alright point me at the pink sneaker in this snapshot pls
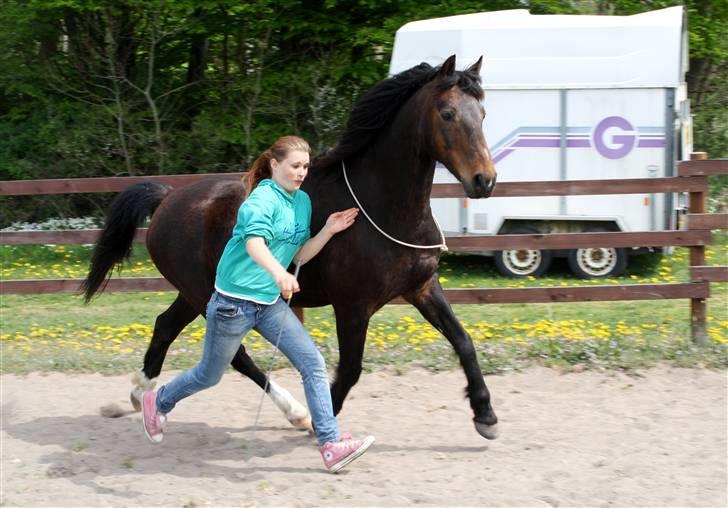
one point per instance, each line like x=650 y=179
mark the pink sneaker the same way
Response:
x=152 y=419
x=340 y=454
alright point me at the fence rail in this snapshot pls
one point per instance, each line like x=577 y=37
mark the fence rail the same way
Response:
x=440 y=190
x=692 y=177
x=699 y=165
x=93 y=185
x=461 y=243
x=709 y=273
x=474 y=295
x=58 y=236
x=707 y=221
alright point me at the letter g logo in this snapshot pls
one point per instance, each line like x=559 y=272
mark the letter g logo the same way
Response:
x=611 y=144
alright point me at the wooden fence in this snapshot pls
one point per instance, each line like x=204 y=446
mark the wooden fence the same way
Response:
x=692 y=177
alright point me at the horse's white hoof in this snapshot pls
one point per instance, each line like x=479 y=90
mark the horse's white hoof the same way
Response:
x=135 y=397
x=296 y=414
x=487 y=431
x=141 y=384
x=303 y=423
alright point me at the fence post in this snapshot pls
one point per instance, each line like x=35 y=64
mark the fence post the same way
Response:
x=698 y=306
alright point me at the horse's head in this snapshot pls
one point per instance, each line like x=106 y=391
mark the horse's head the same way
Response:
x=456 y=121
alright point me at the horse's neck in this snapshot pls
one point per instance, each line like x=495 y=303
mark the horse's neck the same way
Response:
x=394 y=180
x=394 y=175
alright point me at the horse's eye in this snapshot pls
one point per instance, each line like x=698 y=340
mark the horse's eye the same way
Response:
x=447 y=115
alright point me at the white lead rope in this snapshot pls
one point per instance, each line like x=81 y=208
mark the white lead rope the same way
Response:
x=273 y=357
x=442 y=246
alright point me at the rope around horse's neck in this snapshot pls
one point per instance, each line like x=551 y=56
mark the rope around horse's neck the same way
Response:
x=442 y=246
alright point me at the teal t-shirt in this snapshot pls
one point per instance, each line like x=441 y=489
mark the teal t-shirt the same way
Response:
x=284 y=221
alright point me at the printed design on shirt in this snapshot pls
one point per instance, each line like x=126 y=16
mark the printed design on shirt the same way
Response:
x=293 y=236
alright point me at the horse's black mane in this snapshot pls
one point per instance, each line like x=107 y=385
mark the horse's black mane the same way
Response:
x=378 y=106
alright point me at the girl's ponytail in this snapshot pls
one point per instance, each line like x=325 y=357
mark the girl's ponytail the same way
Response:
x=260 y=169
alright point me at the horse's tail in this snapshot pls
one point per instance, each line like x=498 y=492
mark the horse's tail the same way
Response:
x=127 y=212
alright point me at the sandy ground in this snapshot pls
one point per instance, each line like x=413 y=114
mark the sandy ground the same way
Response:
x=577 y=439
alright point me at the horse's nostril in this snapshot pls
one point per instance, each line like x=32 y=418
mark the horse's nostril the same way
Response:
x=491 y=184
x=479 y=180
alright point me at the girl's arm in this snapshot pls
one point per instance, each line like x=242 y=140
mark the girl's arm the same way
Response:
x=336 y=223
x=258 y=250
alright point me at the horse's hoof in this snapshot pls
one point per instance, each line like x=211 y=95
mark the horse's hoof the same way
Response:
x=296 y=414
x=303 y=423
x=487 y=431
x=141 y=383
x=135 y=399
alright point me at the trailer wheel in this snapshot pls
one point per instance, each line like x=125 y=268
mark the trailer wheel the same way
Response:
x=594 y=263
x=523 y=262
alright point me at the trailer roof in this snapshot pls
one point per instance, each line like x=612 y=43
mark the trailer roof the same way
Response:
x=523 y=50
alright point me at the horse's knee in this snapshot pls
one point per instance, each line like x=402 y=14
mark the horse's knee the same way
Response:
x=346 y=378
x=349 y=374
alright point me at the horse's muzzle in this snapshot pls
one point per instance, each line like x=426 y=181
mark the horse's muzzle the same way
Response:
x=481 y=187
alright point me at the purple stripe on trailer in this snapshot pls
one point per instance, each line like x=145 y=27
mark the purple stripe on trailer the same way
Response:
x=578 y=143
x=537 y=143
x=651 y=143
x=627 y=140
x=502 y=154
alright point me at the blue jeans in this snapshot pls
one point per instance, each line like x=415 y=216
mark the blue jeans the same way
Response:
x=228 y=320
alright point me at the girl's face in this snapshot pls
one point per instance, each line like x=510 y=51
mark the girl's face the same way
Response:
x=290 y=172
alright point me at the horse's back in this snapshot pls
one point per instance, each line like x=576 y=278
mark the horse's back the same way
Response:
x=188 y=233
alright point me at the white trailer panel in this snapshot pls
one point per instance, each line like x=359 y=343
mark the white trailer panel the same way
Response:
x=568 y=98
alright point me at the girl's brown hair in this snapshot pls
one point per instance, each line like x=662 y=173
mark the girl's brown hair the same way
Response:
x=260 y=169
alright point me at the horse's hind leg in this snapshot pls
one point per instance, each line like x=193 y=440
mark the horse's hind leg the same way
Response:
x=296 y=413
x=431 y=302
x=168 y=326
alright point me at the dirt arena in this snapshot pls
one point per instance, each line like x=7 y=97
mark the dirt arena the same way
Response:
x=576 y=439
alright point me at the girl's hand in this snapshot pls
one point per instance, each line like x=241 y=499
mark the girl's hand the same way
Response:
x=339 y=221
x=287 y=284
x=336 y=223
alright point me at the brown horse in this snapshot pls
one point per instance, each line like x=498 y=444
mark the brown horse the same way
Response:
x=395 y=135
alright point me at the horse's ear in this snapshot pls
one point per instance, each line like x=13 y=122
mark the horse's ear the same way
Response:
x=475 y=68
x=448 y=67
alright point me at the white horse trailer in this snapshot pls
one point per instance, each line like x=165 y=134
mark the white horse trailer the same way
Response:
x=568 y=97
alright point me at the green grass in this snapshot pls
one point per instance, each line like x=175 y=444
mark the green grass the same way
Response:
x=63 y=262
x=58 y=332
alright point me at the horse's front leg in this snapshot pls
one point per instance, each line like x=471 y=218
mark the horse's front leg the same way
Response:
x=351 y=328
x=431 y=302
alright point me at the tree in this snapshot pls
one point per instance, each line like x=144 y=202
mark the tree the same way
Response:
x=117 y=87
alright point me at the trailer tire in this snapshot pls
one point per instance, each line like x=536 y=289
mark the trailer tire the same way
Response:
x=523 y=262
x=595 y=263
